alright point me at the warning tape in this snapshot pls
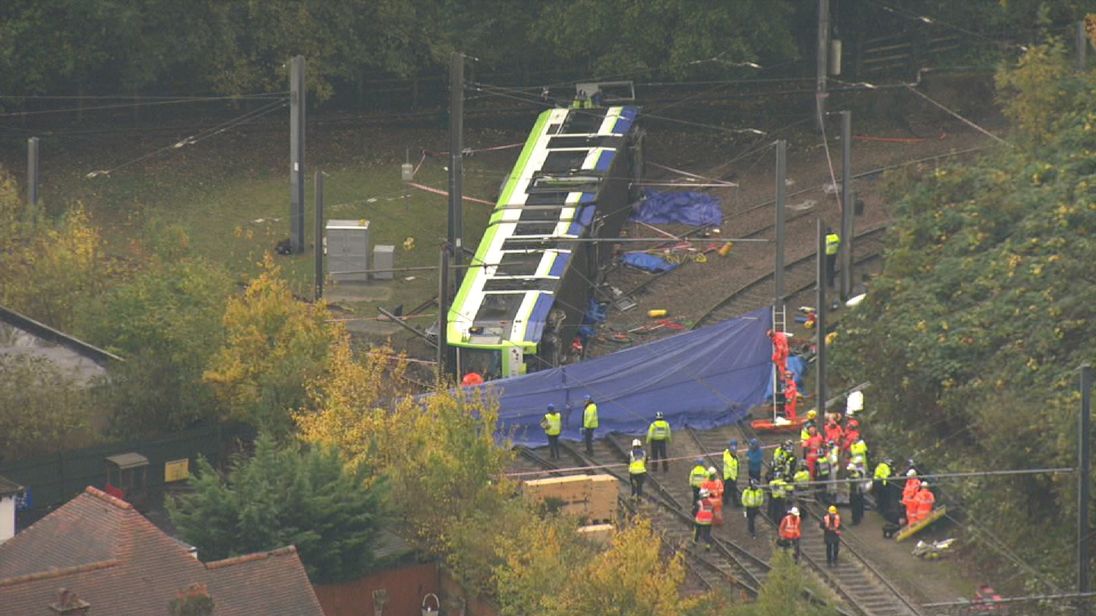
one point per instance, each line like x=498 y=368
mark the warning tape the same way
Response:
x=898 y=139
x=621 y=464
x=438 y=191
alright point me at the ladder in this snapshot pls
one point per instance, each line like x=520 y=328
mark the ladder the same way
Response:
x=779 y=324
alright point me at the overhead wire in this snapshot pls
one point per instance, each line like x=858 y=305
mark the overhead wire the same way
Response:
x=177 y=101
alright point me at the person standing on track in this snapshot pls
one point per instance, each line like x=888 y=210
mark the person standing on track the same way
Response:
x=856 y=474
x=589 y=423
x=658 y=438
x=755 y=457
x=789 y=532
x=752 y=499
x=730 y=474
x=553 y=426
x=637 y=468
x=697 y=477
x=702 y=516
x=831 y=529
x=778 y=498
x=833 y=246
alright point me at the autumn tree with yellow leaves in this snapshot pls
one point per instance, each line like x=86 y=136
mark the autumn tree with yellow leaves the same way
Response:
x=274 y=345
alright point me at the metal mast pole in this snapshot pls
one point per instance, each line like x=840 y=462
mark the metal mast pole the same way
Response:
x=32 y=171
x=296 y=153
x=822 y=61
x=456 y=161
x=318 y=253
x=1084 y=463
x=781 y=196
x=820 y=319
x=846 y=204
x=443 y=311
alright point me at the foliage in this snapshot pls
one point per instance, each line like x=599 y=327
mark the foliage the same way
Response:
x=981 y=317
x=274 y=345
x=1035 y=93
x=285 y=495
x=48 y=268
x=666 y=37
x=42 y=409
x=167 y=322
x=783 y=591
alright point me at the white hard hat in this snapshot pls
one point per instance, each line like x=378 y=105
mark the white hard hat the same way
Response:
x=858 y=459
x=704 y=492
x=794 y=511
x=711 y=470
x=636 y=443
x=924 y=484
x=911 y=473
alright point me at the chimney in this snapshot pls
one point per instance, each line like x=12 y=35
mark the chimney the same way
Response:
x=69 y=604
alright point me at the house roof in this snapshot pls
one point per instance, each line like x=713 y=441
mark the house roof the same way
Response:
x=106 y=552
x=21 y=335
x=9 y=487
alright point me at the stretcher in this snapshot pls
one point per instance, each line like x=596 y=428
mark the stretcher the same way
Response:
x=768 y=425
x=913 y=529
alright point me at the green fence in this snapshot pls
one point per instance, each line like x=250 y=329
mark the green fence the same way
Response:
x=54 y=479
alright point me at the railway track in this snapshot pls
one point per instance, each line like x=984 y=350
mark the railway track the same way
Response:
x=799 y=276
x=867 y=591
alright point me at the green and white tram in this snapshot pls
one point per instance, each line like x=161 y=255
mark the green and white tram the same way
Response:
x=526 y=290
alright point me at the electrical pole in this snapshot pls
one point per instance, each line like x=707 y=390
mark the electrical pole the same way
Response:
x=1082 y=46
x=32 y=171
x=318 y=254
x=456 y=161
x=820 y=319
x=296 y=153
x=1084 y=463
x=822 y=61
x=781 y=196
x=443 y=310
x=846 y=204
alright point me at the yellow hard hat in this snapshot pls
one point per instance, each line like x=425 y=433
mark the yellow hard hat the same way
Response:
x=811 y=414
x=832 y=509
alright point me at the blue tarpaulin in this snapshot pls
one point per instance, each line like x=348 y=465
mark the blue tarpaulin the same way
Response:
x=704 y=378
x=647 y=262
x=689 y=208
x=797 y=366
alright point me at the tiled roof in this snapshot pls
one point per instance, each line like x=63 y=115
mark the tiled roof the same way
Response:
x=112 y=557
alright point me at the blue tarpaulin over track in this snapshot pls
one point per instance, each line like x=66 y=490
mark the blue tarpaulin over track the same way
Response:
x=703 y=378
x=688 y=208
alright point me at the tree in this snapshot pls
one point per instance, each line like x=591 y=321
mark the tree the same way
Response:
x=286 y=495
x=783 y=592
x=274 y=345
x=42 y=409
x=167 y=322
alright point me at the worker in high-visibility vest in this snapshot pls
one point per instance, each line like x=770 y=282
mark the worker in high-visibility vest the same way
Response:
x=800 y=480
x=909 y=494
x=791 y=396
x=881 y=487
x=702 y=518
x=831 y=532
x=730 y=473
x=789 y=532
x=658 y=437
x=778 y=498
x=753 y=497
x=714 y=486
x=697 y=477
x=553 y=426
x=637 y=468
x=923 y=502
x=833 y=246
x=589 y=423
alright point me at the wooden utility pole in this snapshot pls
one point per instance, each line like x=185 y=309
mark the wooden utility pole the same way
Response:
x=456 y=162
x=846 y=204
x=820 y=320
x=781 y=197
x=296 y=153
x=32 y=171
x=822 y=62
x=318 y=253
x=1084 y=463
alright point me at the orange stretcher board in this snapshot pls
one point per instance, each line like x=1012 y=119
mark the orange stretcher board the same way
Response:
x=909 y=531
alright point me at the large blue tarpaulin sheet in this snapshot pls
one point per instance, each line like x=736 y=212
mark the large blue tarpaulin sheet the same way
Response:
x=688 y=208
x=704 y=378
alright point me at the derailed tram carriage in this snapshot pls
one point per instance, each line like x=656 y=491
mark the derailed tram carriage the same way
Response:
x=526 y=290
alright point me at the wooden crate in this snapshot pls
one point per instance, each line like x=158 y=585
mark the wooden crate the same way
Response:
x=598 y=533
x=567 y=489
x=604 y=499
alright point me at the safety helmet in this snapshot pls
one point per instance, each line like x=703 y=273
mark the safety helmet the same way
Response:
x=711 y=470
x=700 y=461
x=858 y=459
x=888 y=461
x=551 y=407
x=830 y=443
x=852 y=466
x=853 y=423
x=924 y=485
x=832 y=509
x=636 y=443
x=753 y=442
x=794 y=511
x=788 y=444
x=704 y=493
x=911 y=473
x=587 y=397
x=753 y=483
x=732 y=444
x=659 y=415
x=811 y=414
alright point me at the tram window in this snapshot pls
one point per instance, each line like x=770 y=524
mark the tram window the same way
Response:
x=535 y=228
x=540 y=213
x=519 y=264
x=497 y=306
x=583 y=121
x=564 y=160
x=520 y=284
x=585 y=141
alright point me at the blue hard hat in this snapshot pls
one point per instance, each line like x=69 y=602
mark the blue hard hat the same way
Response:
x=753 y=442
x=733 y=444
x=587 y=397
x=700 y=461
x=551 y=407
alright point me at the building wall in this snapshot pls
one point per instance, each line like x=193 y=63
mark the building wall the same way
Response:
x=7 y=518
x=406 y=586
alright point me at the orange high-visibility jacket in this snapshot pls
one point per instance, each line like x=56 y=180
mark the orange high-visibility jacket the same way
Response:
x=789 y=527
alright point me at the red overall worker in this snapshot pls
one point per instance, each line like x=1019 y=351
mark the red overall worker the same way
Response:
x=922 y=503
x=811 y=448
x=790 y=533
x=909 y=495
x=852 y=433
x=780 y=350
x=791 y=395
x=833 y=431
x=471 y=379
x=714 y=486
